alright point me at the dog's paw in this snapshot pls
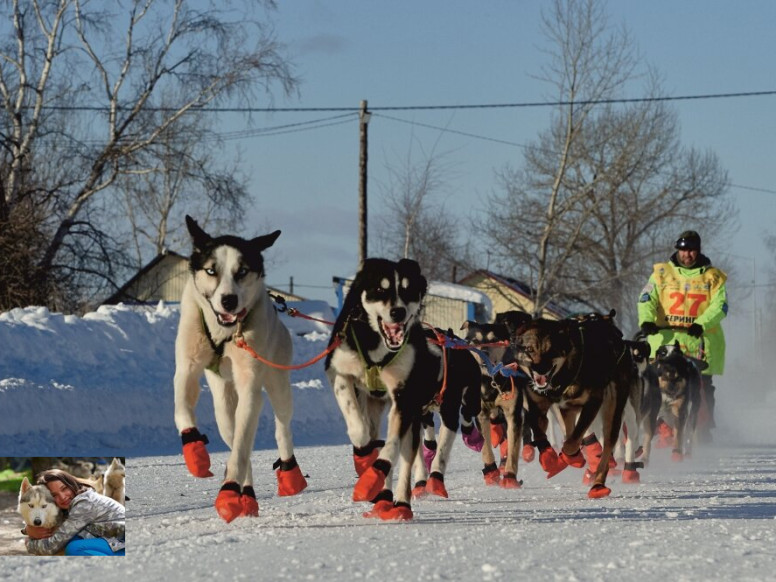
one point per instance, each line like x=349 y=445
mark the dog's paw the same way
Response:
x=289 y=476
x=372 y=481
x=576 y=460
x=378 y=509
x=676 y=456
x=491 y=474
x=510 y=481
x=399 y=512
x=551 y=462
x=250 y=507
x=228 y=504
x=363 y=457
x=195 y=453
x=631 y=476
x=436 y=485
x=528 y=453
x=419 y=491
x=598 y=491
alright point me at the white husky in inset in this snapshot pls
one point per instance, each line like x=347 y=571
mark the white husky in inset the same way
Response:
x=225 y=298
x=114 y=480
x=37 y=506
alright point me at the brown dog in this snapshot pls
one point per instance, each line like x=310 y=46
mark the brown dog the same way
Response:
x=585 y=367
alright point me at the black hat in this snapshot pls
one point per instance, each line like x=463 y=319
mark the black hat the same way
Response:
x=689 y=240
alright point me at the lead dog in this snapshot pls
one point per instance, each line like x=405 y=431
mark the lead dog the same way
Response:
x=381 y=358
x=225 y=297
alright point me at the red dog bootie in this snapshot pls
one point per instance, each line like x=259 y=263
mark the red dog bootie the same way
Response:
x=665 y=435
x=497 y=434
x=598 y=491
x=379 y=509
x=399 y=512
x=510 y=481
x=194 y=452
x=363 y=457
x=250 y=507
x=383 y=502
x=576 y=460
x=630 y=474
x=677 y=456
x=436 y=484
x=419 y=491
x=290 y=478
x=587 y=478
x=228 y=504
x=528 y=453
x=549 y=459
x=592 y=450
x=491 y=474
x=372 y=481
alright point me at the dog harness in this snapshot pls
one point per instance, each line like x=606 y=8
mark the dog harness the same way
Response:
x=374 y=383
x=218 y=349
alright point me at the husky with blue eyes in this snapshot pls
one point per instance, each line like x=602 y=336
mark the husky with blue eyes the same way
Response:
x=225 y=297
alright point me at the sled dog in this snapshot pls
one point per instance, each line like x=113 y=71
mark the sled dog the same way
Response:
x=584 y=366
x=114 y=480
x=382 y=359
x=225 y=299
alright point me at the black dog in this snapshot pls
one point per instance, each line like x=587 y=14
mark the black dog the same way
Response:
x=382 y=356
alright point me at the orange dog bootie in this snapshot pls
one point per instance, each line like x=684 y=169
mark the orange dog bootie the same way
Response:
x=194 y=452
x=290 y=478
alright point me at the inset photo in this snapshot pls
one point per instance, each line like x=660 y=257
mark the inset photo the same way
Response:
x=63 y=506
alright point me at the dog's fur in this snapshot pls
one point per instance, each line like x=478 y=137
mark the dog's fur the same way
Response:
x=501 y=395
x=584 y=366
x=460 y=399
x=384 y=358
x=37 y=506
x=650 y=395
x=225 y=291
x=679 y=381
x=114 y=480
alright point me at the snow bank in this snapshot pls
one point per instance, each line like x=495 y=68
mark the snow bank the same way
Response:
x=102 y=384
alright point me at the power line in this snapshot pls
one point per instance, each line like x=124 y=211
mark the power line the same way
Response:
x=206 y=109
x=519 y=145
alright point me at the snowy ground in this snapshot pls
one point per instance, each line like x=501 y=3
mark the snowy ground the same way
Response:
x=101 y=385
x=710 y=518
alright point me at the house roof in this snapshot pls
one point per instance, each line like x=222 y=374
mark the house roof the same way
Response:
x=518 y=287
x=121 y=291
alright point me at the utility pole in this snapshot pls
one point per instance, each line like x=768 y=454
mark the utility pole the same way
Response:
x=363 y=117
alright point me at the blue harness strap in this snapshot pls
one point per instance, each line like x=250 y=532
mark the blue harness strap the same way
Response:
x=493 y=369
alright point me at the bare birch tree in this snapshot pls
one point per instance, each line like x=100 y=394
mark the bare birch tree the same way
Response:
x=87 y=89
x=602 y=192
x=416 y=223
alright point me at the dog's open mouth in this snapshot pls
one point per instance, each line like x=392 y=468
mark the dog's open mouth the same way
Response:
x=230 y=319
x=393 y=334
x=542 y=380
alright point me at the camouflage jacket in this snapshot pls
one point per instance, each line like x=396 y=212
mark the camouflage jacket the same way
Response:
x=91 y=515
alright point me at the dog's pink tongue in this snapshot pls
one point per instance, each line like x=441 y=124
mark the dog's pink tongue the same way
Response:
x=540 y=380
x=228 y=317
x=394 y=332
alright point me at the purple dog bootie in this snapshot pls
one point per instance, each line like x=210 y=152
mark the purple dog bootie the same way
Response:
x=472 y=437
x=429 y=452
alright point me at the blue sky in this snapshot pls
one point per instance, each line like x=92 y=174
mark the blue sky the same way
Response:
x=457 y=52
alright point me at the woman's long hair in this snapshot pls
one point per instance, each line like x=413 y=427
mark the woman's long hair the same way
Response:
x=74 y=484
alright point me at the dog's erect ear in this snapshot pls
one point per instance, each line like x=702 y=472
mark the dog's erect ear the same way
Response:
x=261 y=243
x=466 y=324
x=514 y=320
x=25 y=485
x=198 y=236
x=408 y=267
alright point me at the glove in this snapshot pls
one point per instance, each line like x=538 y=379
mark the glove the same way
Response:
x=649 y=328
x=695 y=330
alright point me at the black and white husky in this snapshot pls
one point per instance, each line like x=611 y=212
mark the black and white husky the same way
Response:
x=225 y=297
x=383 y=359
